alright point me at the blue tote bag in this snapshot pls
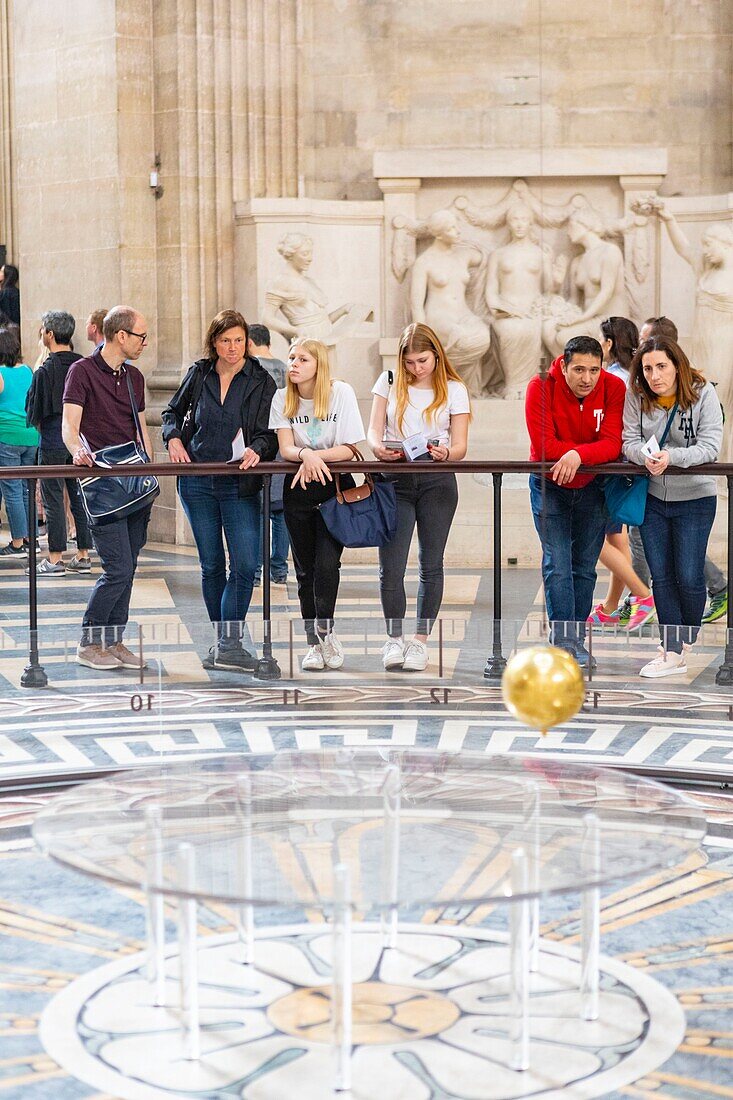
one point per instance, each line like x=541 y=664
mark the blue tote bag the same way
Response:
x=365 y=515
x=626 y=496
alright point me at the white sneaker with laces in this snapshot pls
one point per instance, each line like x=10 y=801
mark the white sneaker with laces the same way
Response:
x=393 y=653
x=416 y=657
x=668 y=663
x=313 y=660
x=333 y=651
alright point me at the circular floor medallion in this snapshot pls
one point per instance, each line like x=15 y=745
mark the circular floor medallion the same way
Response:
x=430 y=1021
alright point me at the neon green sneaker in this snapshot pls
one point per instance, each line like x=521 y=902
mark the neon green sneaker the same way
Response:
x=717 y=607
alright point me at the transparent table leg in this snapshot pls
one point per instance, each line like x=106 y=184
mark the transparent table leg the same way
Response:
x=391 y=794
x=533 y=809
x=519 y=958
x=187 y=947
x=245 y=913
x=341 y=992
x=590 y=920
x=155 y=913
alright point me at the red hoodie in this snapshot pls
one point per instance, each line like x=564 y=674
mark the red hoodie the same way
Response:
x=558 y=421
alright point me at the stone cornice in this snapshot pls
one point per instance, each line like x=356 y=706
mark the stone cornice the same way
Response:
x=560 y=161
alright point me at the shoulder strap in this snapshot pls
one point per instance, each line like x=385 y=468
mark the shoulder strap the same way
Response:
x=135 y=413
x=670 y=418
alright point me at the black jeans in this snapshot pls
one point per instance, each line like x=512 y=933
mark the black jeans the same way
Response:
x=430 y=501
x=316 y=554
x=52 y=492
x=118 y=545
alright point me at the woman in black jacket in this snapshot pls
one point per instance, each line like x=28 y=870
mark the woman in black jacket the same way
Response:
x=223 y=395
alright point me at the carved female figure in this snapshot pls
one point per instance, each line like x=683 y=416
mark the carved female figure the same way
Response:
x=519 y=272
x=295 y=305
x=440 y=278
x=597 y=284
x=712 y=334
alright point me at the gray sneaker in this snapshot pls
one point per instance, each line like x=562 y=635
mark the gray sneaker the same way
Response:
x=46 y=569
x=79 y=565
x=93 y=656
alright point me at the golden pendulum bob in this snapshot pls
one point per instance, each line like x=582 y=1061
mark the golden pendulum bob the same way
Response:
x=542 y=687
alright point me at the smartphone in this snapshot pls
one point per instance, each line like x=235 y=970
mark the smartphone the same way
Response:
x=393 y=445
x=433 y=443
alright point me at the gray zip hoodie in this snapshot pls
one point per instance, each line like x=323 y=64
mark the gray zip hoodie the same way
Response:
x=695 y=437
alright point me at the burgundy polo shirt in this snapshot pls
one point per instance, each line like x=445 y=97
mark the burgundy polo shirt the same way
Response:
x=104 y=396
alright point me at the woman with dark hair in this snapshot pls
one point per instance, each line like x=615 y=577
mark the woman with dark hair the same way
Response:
x=222 y=406
x=619 y=341
x=9 y=293
x=428 y=403
x=665 y=389
x=18 y=442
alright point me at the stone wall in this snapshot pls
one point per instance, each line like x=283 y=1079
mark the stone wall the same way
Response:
x=502 y=74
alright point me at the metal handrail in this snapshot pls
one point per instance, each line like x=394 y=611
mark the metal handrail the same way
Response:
x=35 y=676
x=465 y=466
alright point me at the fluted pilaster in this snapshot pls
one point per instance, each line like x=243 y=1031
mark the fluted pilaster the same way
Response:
x=7 y=235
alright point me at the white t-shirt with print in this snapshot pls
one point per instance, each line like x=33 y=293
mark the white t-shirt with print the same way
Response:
x=414 y=422
x=342 y=425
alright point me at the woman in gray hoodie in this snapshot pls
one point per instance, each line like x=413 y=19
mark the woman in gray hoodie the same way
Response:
x=665 y=389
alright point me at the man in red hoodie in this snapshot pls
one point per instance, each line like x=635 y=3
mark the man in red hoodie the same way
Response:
x=574 y=417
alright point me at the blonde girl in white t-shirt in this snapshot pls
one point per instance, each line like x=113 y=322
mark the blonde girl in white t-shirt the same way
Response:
x=428 y=403
x=315 y=416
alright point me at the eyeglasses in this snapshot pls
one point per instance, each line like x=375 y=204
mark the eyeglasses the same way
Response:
x=142 y=336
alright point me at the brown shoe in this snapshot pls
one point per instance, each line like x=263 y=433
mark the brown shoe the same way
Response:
x=125 y=656
x=93 y=656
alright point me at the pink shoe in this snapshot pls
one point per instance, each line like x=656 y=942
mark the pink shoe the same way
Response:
x=598 y=617
x=642 y=611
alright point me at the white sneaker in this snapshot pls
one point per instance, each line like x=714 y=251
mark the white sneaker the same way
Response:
x=313 y=660
x=416 y=657
x=333 y=651
x=393 y=653
x=666 y=664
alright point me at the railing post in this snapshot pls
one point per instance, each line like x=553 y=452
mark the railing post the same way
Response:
x=724 y=675
x=267 y=667
x=34 y=675
x=496 y=663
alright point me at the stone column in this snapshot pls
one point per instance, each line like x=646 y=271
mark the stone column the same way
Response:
x=272 y=84
x=7 y=236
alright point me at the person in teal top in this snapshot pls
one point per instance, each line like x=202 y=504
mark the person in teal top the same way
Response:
x=18 y=442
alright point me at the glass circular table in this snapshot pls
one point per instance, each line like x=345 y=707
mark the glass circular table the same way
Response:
x=372 y=833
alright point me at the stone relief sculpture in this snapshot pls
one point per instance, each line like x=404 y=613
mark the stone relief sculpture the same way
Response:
x=296 y=306
x=597 y=282
x=438 y=293
x=712 y=334
x=497 y=308
x=520 y=274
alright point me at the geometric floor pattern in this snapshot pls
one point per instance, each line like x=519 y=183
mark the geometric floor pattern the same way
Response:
x=58 y=928
x=85 y=719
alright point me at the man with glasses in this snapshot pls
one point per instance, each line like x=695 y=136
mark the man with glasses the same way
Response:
x=97 y=407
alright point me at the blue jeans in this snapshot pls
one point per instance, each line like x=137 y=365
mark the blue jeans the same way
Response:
x=216 y=511
x=279 y=547
x=571 y=524
x=675 y=534
x=16 y=492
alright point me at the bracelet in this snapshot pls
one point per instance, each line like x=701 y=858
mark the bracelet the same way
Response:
x=300 y=452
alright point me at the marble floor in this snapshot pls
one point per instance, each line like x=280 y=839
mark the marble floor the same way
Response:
x=66 y=941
